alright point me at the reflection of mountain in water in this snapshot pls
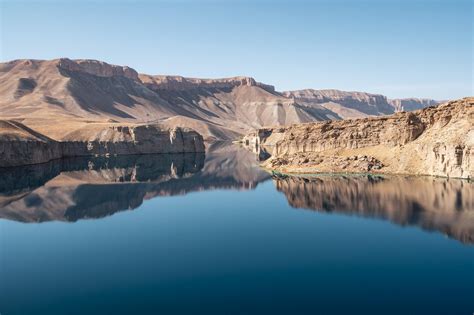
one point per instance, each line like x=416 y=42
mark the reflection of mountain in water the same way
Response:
x=433 y=204
x=73 y=189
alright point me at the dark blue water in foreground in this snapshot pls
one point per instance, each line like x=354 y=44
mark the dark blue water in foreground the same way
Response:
x=221 y=237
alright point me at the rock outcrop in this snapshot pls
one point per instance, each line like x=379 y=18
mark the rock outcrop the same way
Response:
x=20 y=145
x=409 y=104
x=434 y=141
x=358 y=103
x=179 y=83
x=97 y=68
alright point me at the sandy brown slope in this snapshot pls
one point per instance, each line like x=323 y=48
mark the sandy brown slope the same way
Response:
x=57 y=97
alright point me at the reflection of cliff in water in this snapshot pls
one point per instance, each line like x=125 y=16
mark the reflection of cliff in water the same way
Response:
x=433 y=204
x=73 y=189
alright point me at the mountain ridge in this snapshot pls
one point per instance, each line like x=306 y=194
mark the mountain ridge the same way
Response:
x=57 y=97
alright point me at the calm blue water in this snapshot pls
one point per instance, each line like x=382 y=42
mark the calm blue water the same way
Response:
x=221 y=237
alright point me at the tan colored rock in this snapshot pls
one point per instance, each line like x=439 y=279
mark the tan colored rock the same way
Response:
x=97 y=68
x=56 y=97
x=179 y=83
x=360 y=103
x=434 y=141
x=409 y=104
x=20 y=145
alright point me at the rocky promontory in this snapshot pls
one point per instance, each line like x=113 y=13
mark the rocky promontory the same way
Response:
x=433 y=141
x=20 y=145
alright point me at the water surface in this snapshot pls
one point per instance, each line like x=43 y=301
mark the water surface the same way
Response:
x=214 y=234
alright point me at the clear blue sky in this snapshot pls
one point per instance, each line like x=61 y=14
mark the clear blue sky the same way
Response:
x=398 y=48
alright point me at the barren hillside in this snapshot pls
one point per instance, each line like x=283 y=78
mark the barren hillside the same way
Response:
x=58 y=97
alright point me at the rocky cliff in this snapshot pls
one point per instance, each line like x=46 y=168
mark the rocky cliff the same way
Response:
x=409 y=104
x=97 y=68
x=433 y=141
x=57 y=97
x=345 y=104
x=20 y=145
x=179 y=83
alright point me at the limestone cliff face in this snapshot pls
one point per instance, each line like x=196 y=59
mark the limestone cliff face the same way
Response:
x=433 y=141
x=409 y=104
x=365 y=103
x=14 y=153
x=141 y=139
x=179 y=83
x=20 y=145
x=97 y=68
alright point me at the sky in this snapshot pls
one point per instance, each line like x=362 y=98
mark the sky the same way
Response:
x=404 y=48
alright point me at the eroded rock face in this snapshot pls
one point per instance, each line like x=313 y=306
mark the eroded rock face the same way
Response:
x=13 y=153
x=432 y=204
x=408 y=104
x=41 y=92
x=142 y=139
x=97 y=68
x=433 y=141
x=178 y=83
x=371 y=104
x=20 y=145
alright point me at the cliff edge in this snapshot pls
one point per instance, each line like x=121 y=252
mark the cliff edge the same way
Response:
x=20 y=145
x=433 y=141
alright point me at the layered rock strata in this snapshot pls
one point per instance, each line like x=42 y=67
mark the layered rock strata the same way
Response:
x=20 y=145
x=56 y=97
x=433 y=141
x=409 y=104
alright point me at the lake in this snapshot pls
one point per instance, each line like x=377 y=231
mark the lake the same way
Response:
x=214 y=234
